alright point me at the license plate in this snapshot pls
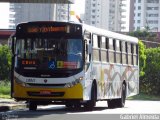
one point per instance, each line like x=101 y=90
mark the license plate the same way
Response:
x=45 y=92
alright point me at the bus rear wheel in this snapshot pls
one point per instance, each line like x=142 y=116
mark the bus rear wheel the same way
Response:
x=118 y=102
x=32 y=106
x=121 y=101
x=111 y=103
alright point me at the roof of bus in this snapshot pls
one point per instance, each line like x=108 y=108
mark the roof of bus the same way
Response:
x=95 y=30
x=110 y=34
x=47 y=22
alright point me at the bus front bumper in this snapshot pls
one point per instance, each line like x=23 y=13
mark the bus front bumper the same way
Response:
x=43 y=93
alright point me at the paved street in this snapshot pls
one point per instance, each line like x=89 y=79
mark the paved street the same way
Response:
x=59 y=112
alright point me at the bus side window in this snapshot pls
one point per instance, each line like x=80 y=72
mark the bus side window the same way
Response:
x=123 y=46
x=137 y=54
x=111 y=51
x=87 y=35
x=129 y=54
x=96 y=45
x=103 y=49
x=118 y=53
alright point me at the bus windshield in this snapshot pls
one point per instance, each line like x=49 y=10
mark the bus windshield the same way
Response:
x=48 y=53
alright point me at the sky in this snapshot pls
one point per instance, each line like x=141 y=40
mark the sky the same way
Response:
x=4 y=15
x=78 y=7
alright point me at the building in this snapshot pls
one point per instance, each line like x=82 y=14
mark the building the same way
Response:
x=147 y=15
x=62 y=12
x=131 y=15
x=96 y=14
x=4 y=35
x=39 y=1
x=108 y=14
x=24 y=12
x=125 y=8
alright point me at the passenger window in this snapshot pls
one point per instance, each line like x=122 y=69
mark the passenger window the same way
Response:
x=95 y=41
x=118 y=53
x=103 y=42
x=96 y=47
x=104 y=50
x=110 y=43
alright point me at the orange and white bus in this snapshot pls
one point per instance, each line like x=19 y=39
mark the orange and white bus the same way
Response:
x=72 y=64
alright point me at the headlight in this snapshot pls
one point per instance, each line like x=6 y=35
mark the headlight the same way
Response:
x=18 y=81
x=73 y=83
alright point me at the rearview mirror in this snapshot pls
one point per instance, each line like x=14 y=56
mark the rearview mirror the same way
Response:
x=11 y=43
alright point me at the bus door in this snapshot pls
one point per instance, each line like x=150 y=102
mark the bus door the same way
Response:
x=88 y=65
x=88 y=48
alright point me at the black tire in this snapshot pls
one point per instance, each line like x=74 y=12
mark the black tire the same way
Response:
x=121 y=101
x=91 y=103
x=32 y=106
x=111 y=103
x=69 y=105
x=118 y=102
x=75 y=105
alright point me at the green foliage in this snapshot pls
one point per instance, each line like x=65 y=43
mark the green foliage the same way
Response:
x=149 y=63
x=5 y=88
x=144 y=35
x=150 y=82
x=142 y=58
x=5 y=62
x=140 y=34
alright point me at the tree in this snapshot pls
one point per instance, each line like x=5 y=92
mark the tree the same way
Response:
x=144 y=35
x=151 y=82
x=5 y=62
x=142 y=58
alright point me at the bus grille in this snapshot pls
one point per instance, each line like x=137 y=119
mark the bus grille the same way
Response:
x=46 y=85
x=52 y=94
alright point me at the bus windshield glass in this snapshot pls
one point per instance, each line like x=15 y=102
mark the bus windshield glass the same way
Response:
x=48 y=53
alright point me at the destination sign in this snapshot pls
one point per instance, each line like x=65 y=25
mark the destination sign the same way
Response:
x=46 y=29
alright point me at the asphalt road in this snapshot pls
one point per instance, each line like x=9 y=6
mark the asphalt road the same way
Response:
x=100 y=112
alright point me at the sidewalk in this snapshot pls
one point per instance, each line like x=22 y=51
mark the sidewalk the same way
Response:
x=10 y=104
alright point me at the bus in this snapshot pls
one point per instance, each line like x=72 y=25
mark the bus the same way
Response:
x=72 y=64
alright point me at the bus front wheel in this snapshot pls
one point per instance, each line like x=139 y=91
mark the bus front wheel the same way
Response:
x=32 y=105
x=91 y=103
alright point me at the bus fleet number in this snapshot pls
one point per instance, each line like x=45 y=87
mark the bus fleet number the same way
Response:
x=30 y=80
